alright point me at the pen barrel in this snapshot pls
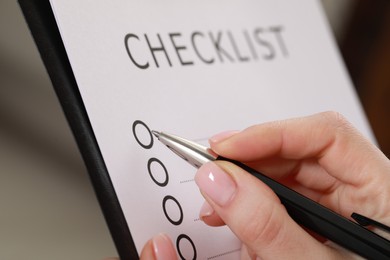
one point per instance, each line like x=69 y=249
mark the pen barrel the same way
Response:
x=324 y=221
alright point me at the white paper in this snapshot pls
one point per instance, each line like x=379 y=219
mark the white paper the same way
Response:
x=252 y=61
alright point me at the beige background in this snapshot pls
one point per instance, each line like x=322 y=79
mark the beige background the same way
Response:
x=47 y=206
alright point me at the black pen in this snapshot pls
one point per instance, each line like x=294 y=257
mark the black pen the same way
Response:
x=303 y=210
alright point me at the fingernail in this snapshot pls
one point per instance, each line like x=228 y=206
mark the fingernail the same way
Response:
x=206 y=210
x=222 y=136
x=215 y=183
x=162 y=247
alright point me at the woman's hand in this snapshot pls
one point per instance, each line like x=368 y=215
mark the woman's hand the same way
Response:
x=321 y=156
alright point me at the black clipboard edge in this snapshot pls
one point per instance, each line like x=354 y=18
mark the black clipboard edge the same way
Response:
x=43 y=27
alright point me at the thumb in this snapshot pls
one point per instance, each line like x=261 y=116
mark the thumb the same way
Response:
x=254 y=213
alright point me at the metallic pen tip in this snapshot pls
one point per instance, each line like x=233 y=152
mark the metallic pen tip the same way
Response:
x=156 y=134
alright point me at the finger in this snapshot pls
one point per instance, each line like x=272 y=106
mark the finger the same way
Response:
x=325 y=136
x=208 y=215
x=160 y=247
x=254 y=213
x=302 y=175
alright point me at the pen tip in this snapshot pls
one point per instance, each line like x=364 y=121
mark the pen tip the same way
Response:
x=155 y=133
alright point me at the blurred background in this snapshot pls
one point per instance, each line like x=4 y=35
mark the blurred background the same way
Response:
x=48 y=209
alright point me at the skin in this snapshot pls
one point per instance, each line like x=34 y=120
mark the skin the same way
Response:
x=321 y=156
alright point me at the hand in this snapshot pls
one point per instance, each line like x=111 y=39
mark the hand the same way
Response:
x=321 y=156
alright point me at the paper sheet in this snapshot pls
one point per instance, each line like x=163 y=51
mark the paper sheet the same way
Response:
x=194 y=68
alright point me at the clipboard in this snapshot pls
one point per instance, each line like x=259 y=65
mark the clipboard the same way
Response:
x=57 y=59
x=42 y=24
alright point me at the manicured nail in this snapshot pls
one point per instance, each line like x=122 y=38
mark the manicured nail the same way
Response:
x=222 y=136
x=215 y=183
x=162 y=247
x=206 y=210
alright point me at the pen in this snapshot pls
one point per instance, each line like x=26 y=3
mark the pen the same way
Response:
x=303 y=210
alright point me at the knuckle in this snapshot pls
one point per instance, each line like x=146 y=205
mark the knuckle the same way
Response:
x=338 y=122
x=335 y=119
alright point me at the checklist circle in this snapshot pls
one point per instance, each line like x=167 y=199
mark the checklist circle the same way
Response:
x=181 y=245
x=158 y=172
x=142 y=134
x=168 y=204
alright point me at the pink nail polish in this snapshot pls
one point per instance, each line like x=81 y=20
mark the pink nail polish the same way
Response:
x=215 y=183
x=222 y=136
x=163 y=248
